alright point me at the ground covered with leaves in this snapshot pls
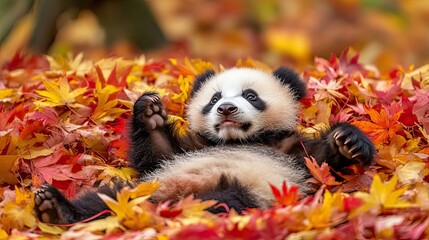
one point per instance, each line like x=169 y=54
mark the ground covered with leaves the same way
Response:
x=64 y=120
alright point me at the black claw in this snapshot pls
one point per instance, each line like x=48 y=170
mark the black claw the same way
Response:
x=339 y=134
x=354 y=148
x=347 y=141
x=352 y=138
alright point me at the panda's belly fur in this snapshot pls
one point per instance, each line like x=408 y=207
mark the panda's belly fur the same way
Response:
x=254 y=167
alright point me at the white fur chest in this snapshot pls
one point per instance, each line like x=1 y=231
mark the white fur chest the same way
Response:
x=253 y=167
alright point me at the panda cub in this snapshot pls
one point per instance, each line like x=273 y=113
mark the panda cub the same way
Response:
x=242 y=138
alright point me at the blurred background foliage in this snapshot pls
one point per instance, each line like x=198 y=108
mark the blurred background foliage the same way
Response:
x=387 y=33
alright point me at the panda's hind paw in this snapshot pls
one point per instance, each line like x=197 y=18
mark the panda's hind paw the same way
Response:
x=51 y=206
x=150 y=111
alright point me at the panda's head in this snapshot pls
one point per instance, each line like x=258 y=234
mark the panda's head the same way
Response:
x=240 y=103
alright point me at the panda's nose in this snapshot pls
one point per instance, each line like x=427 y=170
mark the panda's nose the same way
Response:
x=227 y=109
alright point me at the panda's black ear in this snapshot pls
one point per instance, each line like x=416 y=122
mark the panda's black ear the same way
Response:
x=289 y=77
x=201 y=79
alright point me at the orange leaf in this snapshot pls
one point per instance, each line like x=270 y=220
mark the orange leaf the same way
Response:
x=382 y=127
x=322 y=173
x=7 y=163
x=120 y=148
x=425 y=150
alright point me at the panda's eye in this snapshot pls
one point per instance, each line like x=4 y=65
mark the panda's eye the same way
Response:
x=214 y=100
x=251 y=97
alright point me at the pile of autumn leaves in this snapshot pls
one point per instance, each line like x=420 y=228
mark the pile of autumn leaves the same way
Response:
x=63 y=121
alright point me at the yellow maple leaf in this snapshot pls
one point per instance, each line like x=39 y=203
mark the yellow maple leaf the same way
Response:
x=396 y=154
x=18 y=214
x=180 y=124
x=70 y=63
x=127 y=206
x=314 y=131
x=321 y=216
x=106 y=110
x=51 y=229
x=108 y=225
x=381 y=195
x=411 y=172
x=193 y=207
x=144 y=189
x=110 y=172
x=58 y=94
x=138 y=219
x=121 y=205
x=185 y=87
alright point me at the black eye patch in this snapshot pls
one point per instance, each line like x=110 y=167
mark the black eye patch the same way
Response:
x=216 y=97
x=252 y=97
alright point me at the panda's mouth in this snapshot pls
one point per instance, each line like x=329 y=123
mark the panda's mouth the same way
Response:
x=229 y=123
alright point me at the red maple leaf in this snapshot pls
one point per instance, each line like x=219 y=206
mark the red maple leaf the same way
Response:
x=166 y=210
x=22 y=60
x=49 y=169
x=287 y=196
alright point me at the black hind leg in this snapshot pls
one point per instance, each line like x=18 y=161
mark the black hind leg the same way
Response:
x=52 y=207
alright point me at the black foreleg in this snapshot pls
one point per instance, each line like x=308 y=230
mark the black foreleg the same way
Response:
x=152 y=140
x=343 y=145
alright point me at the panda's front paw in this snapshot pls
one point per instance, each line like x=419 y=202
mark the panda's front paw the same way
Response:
x=353 y=144
x=148 y=110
